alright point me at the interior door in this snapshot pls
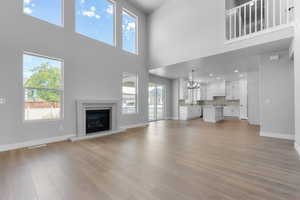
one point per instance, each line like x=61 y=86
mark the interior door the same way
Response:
x=157 y=95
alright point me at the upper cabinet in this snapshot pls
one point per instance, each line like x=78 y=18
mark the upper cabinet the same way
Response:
x=201 y=93
x=215 y=89
x=232 y=90
x=183 y=91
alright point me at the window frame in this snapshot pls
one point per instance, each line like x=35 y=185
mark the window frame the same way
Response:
x=132 y=14
x=62 y=20
x=114 y=3
x=61 y=90
x=136 y=93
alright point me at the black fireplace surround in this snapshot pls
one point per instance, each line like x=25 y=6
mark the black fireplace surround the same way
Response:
x=98 y=120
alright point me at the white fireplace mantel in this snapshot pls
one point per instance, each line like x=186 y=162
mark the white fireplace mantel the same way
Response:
x=84 y=105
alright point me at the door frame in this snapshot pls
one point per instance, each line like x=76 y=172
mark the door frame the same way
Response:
x=156 y=85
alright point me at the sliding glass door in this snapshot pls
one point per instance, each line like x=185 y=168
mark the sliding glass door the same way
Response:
x=157 y=99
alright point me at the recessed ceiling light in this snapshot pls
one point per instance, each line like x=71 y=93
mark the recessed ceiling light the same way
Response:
x=211 y=75
x=236 y=71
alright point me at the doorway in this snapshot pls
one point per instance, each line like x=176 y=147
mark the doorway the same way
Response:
x=157 y=102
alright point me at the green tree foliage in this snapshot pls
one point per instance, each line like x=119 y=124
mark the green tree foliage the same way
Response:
x=45 y=76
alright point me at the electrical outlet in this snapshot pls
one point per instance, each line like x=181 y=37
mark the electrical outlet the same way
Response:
x=2 y=100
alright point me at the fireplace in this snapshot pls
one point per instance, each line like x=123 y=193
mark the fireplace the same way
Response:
x=98 y=120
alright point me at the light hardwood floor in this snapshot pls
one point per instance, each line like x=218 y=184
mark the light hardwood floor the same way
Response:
x=169 y=160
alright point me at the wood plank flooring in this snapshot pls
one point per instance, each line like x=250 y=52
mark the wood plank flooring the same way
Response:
x=169 y=160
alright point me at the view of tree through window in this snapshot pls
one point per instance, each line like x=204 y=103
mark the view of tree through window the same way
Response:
x=42 y=79
x=47 y=10
x=129 y=93
x=96 y=19
x=129 y=32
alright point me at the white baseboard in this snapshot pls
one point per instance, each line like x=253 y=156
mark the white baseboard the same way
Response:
x=31 y=143
x=297 y=147
x=277 y=135
x=135 y=126
x=92 y=136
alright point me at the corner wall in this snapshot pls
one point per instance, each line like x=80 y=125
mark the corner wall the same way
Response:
x=297 y=73
x=253 y=97
x=277 y=96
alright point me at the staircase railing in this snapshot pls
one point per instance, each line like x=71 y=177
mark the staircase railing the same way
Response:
x=257 y=16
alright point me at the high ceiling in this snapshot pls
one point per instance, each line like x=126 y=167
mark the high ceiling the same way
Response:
x=147 y=6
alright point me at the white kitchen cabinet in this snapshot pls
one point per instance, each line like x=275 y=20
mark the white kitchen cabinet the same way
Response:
x=183 y=91
x=232 y=111
x=203 y=91
x=200 y=93
x=215 y=89
x=190 y=112
x=232 y=90
x=213 y=114
x=210 y=91
x=195 y=95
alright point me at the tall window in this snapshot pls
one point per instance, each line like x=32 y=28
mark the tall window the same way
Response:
x=96 y=19
x=129 y=32
x=46 y=10
x=129 y=93
x=43 y=87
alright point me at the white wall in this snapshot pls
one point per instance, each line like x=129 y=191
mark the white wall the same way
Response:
x=185 y=30
x=93 y=70
x=168 y=85
x=297 y=73
x=277 y=98
x=253 y=98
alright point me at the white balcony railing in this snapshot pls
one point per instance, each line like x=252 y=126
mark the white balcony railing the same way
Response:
x=256 y=16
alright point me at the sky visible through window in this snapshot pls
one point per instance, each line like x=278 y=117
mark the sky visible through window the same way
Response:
x=95 y=19
x=129 y=24
x=47 y=10
x=31 y=62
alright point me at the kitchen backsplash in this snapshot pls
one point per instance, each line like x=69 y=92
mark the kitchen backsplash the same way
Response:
x=216 y=101
x=220 y=101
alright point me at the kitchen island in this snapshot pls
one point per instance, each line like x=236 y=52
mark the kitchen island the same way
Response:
x=213 y=113
x=188 y=112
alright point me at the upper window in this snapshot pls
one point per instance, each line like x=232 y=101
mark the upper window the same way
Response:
x=129 y=93
x=129 y=32
x=43 y=87
x=46 y=10
x=96 y=19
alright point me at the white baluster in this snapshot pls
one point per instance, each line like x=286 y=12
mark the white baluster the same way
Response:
x=267 y=13
x=280 y=12
x=287 y=11
x=230 y=26
x=240 y=23
x=261 y=15
x=274 y=10
x=250 y=19
x=255 y=7
x=245 y=22
x=235 y=23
